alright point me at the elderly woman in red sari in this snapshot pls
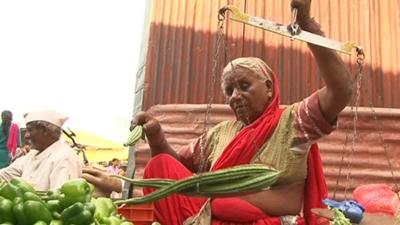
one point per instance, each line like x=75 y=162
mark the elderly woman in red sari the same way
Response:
x=263 y=133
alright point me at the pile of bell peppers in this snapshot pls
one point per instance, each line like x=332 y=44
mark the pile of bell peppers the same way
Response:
x=73 y=204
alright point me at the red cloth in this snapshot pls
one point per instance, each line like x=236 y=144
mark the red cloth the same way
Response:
x=377 y=198
x=314 y=191
x=13 y=139
x=174 y=209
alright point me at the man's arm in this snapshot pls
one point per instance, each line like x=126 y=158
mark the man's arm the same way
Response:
x=13 y=170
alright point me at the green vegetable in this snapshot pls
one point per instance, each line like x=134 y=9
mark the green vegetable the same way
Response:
x=339 y=218
x=18 y=200
x=11 y=191
x=112 y=220
x=77 y=214
x=54 y=206
x=76 y=190
x=19 y=213
x=31 y=196
x=225 y=182
x=40 y=223
x=104 y=208
x=23 y=185
x=135 y=135
x=35 y=211
x=6 y=211
x=56 y=222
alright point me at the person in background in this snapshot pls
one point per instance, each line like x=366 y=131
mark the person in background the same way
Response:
x=9 y=138
x=122 y=170
x=113 y=168
x=50 y=162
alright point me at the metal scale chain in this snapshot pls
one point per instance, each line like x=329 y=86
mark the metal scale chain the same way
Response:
x=354 y=110
x=220 y=38
x=378 y=126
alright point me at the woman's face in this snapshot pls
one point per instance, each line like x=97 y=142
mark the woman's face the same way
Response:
x=247 y=93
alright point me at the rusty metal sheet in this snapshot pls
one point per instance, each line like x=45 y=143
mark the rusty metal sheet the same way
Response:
x=182 y=40
x=184 y=122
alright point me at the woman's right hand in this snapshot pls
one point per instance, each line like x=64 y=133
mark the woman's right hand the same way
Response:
x=154 y=133
x=150 y=125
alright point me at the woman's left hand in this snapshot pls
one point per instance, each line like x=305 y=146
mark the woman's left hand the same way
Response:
x=303 y=11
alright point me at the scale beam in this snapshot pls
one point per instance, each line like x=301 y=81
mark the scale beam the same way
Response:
x=236 y=15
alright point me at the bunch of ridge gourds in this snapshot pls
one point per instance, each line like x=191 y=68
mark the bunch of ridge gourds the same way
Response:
x=232 y=181
x=20 y=204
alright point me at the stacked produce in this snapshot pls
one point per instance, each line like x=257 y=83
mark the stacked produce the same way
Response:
x=73 y=203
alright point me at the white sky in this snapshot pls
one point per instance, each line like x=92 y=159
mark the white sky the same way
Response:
x=77 y=56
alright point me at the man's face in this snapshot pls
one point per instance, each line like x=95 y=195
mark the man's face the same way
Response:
x=6 y=117
x=36 y=136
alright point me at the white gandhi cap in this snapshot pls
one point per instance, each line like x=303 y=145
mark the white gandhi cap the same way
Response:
x=49 y=116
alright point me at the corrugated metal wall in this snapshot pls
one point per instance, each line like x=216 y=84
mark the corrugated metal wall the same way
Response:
x=368 y=164
x=182 y=40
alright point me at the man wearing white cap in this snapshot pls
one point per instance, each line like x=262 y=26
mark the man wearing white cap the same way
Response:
x=51 y=162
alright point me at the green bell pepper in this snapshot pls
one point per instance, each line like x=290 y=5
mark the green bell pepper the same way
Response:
x=77 y=214
x=112 y=220
x=35 y=211
x=31 y=196
x=40 y=223
x=76 y=190
x=105 y=207
x=11 y=191
x=54 y=206
x=25 y=186
x=91 y=207
x=56 y=222
x=53 y=195
x=6 y=211
x=18 y=200
x=19 y=213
